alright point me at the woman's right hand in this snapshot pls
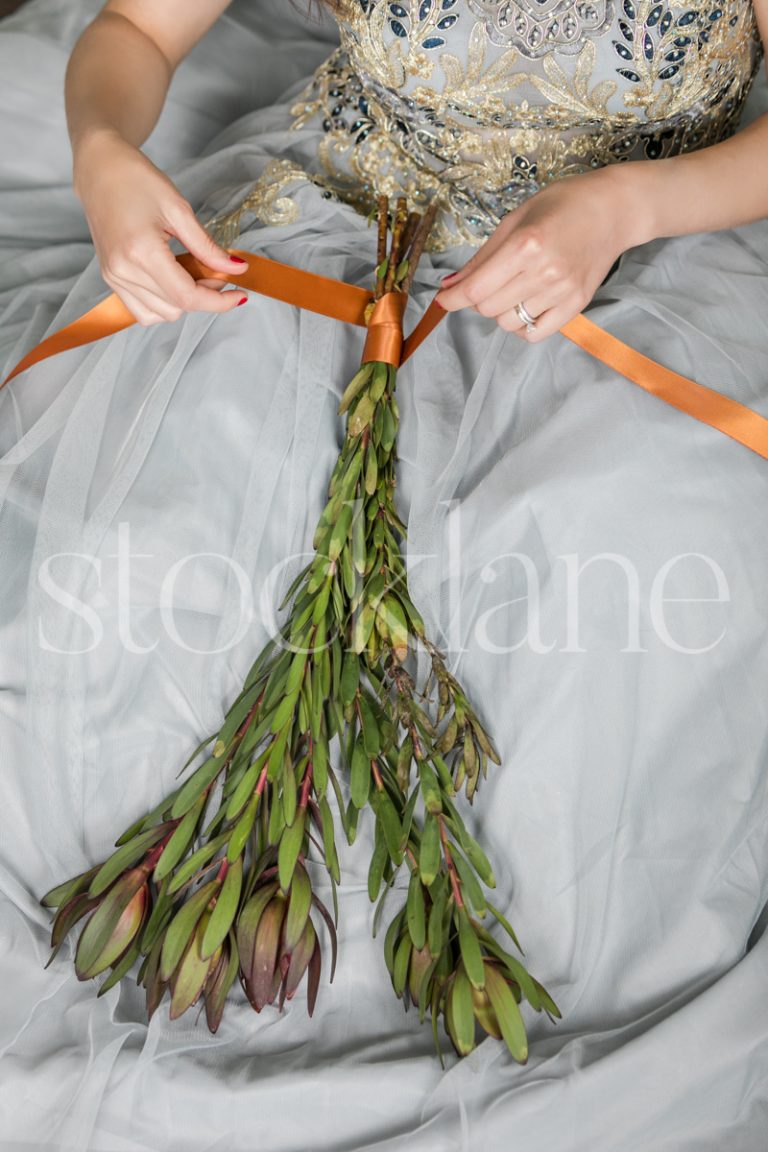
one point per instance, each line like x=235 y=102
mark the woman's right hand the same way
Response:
x=133 y=210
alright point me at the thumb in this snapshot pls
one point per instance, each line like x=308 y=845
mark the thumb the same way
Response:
x=201 y=245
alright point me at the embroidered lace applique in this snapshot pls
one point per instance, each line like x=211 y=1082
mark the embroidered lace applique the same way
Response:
x=483 y=102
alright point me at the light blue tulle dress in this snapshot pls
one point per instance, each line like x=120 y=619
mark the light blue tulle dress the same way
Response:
x=593 y=562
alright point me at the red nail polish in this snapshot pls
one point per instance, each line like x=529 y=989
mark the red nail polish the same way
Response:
x=238 y=260
x=447 y=279
x=243 y=301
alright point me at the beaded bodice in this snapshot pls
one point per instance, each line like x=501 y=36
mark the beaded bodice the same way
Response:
x=485 y=101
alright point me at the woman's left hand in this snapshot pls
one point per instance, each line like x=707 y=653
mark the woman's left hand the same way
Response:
x=550 y=255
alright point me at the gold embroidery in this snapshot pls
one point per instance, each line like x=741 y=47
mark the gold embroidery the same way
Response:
x=466 y=100
x=264 y=202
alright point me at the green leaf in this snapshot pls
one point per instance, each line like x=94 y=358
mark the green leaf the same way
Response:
x=234 y=720
x=361 y=417
x=225 y=910
x=299 y=904
x=125 y=857
x=179 y=842
x=196 y=861
x=318 y=700
x=340 y=534
x=471 y=953
x=363 y=626
x=360 y=775
x=379 y=382
x=469 y=883
x=461 y=1017
x=199 y=782
x=289 y=848
x=159 y=917
x=389 y=429
x=404 y=760
x=437 y=928
x=507 y=1013
x=121 y=969
x=181 y=928
x=190 y=976
x=277 y=753
x=390 y=824
x=296 y=673
x=429 y=788
x=348 y=572
x=429 y=851
x=505 y=925
x=390 y=939
x=294 y=587
x=276 y=818
x=415 y=911
x=400 y=971
x=547 y=1002
x=351 y=818
x=350 y=677
x=320 y=768
x=396 y=626
x=219 y=985
x=329 y=840
x=371 y=470
x=476 y=857
x=285 y=711
x=63 y=893
x=371 y=737
x=289 y=790
x=242 y=829
x=517 y=972
x=67 y=916
x=355 y=386
x=104 y=939
x=244 y=790
x=379 y=860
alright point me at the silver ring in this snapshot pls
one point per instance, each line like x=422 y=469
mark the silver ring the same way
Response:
x=525 y=317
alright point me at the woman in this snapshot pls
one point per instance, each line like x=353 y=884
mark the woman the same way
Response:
x=591 y=559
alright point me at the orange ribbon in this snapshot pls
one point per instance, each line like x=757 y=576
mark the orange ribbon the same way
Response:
x=385 y=342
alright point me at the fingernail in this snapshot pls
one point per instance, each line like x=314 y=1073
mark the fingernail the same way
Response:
x=447 y=279
x=243 y=301
x=238 y=260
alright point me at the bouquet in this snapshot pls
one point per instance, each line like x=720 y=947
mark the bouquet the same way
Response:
x=212 y=886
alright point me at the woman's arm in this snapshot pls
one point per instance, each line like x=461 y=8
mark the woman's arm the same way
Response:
x=553 y=252
x=717 y=187
x=116 y=84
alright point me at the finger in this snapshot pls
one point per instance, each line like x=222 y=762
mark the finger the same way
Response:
x=526 y=289
x=479 y=258
x=188 y=229
x=140 y=312
x=550 y=322
x=505 y=263
x=176 y=285
x=510 y=321
x=155 y=303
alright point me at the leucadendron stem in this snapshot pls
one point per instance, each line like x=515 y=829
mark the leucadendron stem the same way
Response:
x=212 y=885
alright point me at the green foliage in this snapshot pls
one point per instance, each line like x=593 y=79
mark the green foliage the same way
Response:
x=204 y=902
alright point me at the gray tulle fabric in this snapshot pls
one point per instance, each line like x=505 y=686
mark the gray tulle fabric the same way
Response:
x=628 y=823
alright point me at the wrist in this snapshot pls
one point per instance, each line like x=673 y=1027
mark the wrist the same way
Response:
x=90 y=151
x=636 y=199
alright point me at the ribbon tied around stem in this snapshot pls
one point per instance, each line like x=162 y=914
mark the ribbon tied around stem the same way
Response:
x=384 y=342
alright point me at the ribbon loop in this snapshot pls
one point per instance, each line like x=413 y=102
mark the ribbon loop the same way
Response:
x=384 y=341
